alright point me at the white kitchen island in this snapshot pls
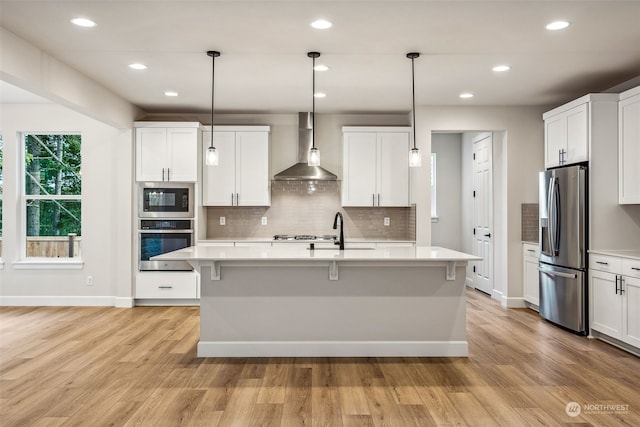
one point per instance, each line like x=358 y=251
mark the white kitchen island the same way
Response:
x=292 y=301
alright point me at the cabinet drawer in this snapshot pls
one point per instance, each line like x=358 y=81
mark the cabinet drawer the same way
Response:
x=631 y=267
x=605 y=263
x=158 y=285
x=530 y=250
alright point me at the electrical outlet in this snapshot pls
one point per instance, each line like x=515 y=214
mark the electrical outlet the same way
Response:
x=223 y=220
x=386 y=220
x=264 y=220
x=89 y=280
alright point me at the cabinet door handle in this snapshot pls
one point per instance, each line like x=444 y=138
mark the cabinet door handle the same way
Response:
x=373 y=200
x=617 y=278
x=602 y=262
x=530 y=250
x=231 y=199
x=168 y=174
x=165 y=287
x=621 y=285
x=635 y=268
x=378 y=199
x=163 y=174
x=237 y=199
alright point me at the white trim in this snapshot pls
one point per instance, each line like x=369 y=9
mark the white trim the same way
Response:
x=123 y=302
x=513 y=302
x=47 y=264
x=1 y=265
x=56 y=301
x=166 y=302
x=333 y=349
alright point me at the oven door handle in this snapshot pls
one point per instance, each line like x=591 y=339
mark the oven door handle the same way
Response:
x=165 y=231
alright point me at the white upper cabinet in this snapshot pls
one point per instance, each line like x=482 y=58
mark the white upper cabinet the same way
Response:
x=167 y=151
x=241 y=177
x=566 y=136
x=629 y=147
x=375 y=166
x=571 y=129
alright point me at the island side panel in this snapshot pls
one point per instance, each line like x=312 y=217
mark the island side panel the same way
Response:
x=371 y=310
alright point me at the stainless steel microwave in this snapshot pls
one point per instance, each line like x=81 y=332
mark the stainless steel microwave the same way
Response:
x=165 y=200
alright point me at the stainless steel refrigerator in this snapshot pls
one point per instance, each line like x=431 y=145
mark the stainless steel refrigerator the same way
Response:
x=563 y=247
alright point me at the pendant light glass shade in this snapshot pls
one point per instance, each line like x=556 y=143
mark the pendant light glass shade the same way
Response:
x=212 y=154
x=211 y=158
x=314 y=157
x=415 y=158
x=314 y=153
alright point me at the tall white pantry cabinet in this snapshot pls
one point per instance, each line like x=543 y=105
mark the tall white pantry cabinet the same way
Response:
x=375 y=166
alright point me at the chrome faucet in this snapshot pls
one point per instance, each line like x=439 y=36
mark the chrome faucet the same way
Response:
x=335 y=227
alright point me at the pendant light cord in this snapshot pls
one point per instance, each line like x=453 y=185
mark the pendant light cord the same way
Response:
x=313 y=103
x=413 y=97
x=213 y=73
x=213 y=54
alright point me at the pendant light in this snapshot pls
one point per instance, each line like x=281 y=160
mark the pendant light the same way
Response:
x=211 y=158
x=314 y=153
x=415 y=159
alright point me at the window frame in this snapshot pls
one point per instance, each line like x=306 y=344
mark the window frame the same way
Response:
x=27 y=262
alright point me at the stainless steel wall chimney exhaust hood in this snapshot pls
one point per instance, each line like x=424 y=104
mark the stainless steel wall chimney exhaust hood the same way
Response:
x=301 y=171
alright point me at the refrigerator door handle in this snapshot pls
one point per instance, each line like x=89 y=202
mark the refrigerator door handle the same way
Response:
x=550 y=212
x=555 y=208
x=558 y=273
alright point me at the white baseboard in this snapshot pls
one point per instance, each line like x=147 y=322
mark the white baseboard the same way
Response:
x=56 y=301
x=333 y=349
x=124 y=302
x=513 y=302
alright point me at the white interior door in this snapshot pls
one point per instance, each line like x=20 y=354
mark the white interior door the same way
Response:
x=483 y=212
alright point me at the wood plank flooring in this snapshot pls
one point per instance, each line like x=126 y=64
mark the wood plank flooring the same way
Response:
x=95 y=366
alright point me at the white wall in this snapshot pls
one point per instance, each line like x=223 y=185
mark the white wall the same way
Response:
x=520 y=157
x=447 y=231
x=106 y=212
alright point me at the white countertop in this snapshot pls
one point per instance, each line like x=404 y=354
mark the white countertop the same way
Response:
x=296 y=253
x=624 y=253
x=271 y=240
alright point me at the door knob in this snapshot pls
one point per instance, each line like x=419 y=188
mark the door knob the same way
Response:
x=487 y=235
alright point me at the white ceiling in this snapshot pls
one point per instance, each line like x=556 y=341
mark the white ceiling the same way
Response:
x=264 y=66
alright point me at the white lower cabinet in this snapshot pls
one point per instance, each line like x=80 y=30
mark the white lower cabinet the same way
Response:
x=167 y=285
x=530 y=275
x=614 y=289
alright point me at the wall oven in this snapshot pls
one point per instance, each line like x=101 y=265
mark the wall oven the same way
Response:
x=159 y=236
x=165 y=200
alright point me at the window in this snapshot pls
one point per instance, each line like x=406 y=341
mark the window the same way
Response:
x=52 y=195
x=434 y=213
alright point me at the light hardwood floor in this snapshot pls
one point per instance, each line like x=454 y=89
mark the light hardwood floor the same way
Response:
x=90 y=366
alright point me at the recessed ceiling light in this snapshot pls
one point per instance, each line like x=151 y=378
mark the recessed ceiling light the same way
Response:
x=321 y=24
x=320 y=95
x=466 y=95
x=321 y=67
x=557 y=25
x=171 y=93
x=501 y=68
x=83 y=22
x=138 y=66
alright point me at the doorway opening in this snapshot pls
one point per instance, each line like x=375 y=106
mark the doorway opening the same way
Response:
x=470 y=195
